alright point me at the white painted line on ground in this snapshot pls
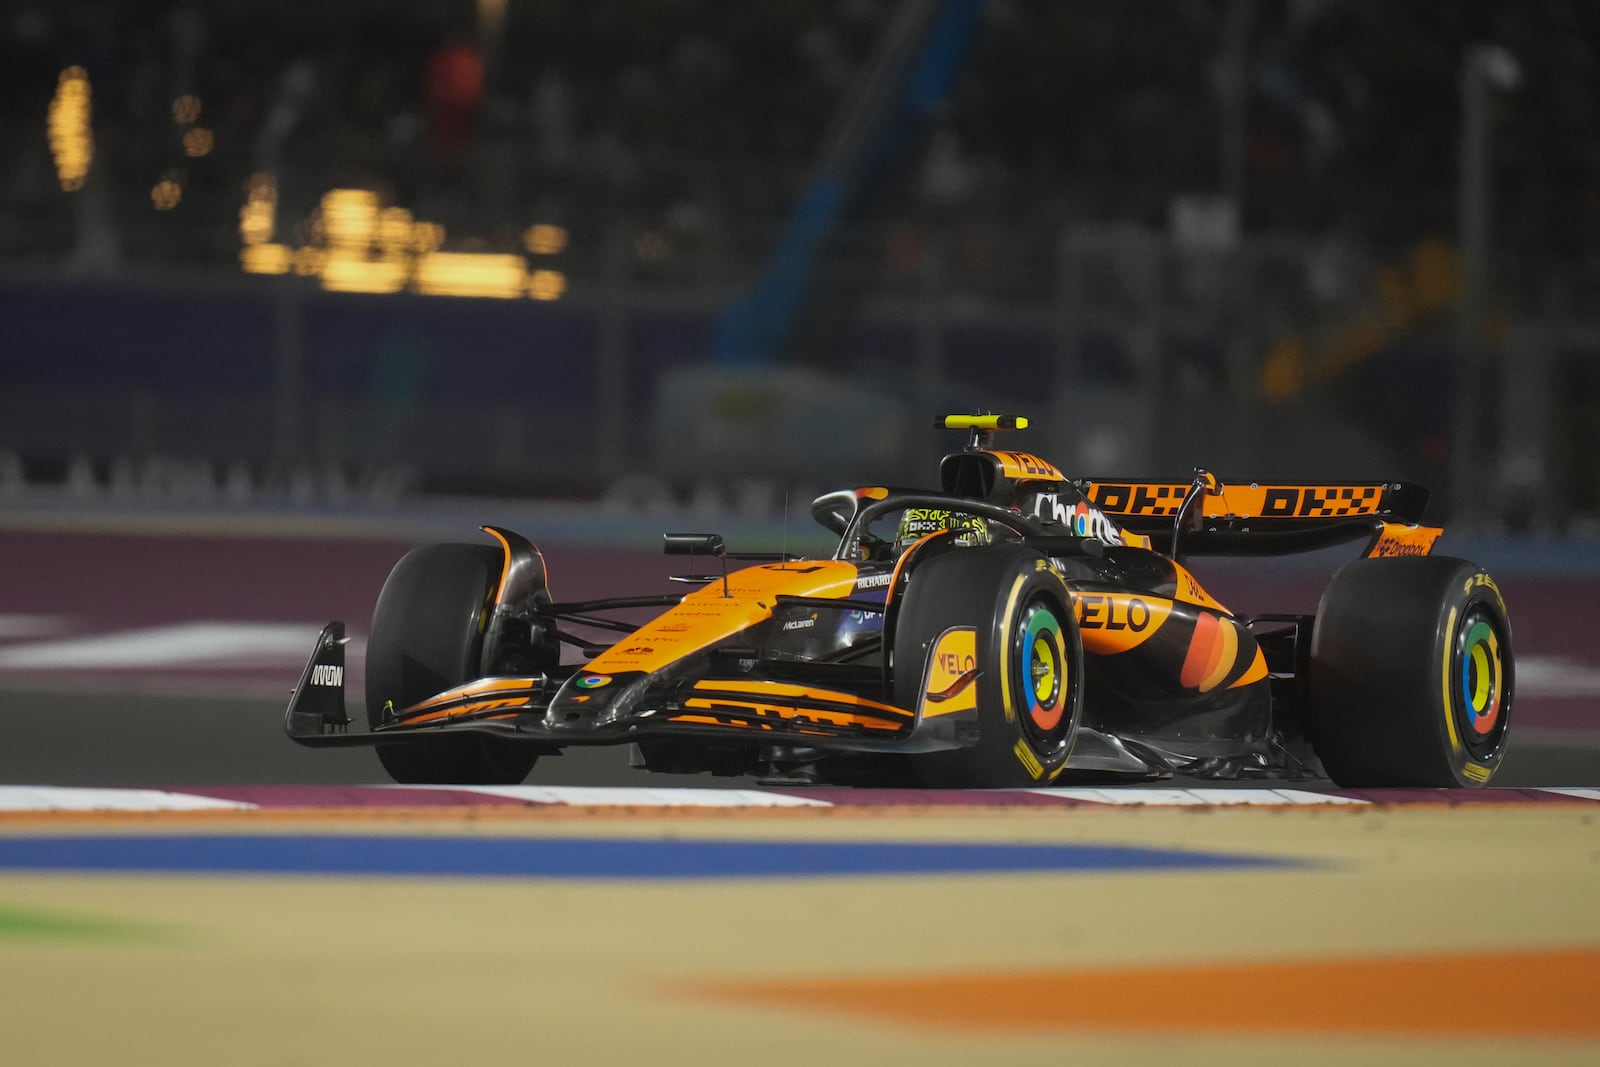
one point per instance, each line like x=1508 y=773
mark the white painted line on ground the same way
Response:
x=61 y=798
x=1121 y=796
x=1556 y=676
x=200 y=642
x=1181 y=797
x=14 y=626
x=636 y=797
x=1581 y=794
x=1575 y=737
x=1290 y=795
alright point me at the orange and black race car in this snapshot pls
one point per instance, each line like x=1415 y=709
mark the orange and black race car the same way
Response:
x=1015 y=628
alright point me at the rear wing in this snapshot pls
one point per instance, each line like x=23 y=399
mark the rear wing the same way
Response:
x=1252 y=518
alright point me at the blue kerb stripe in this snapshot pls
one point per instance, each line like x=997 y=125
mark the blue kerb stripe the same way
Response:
x=583 y=858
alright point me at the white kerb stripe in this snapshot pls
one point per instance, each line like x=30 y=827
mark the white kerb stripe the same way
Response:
x=1210 y=797
x=168 y=646
x=603 y=796
x=1556 y=676
x=1581 y=794
x=32 y=625
x=60 y=798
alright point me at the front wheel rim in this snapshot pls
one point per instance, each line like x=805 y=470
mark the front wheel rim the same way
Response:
x=1481 y=683
x=1045 y=673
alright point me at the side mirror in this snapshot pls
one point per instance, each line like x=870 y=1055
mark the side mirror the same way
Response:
x=687 y=544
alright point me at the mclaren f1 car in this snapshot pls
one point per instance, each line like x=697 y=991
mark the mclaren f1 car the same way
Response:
x=1014 y=628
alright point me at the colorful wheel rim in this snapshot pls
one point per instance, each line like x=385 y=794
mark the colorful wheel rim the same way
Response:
x=1045 y=672
x=1484 y=694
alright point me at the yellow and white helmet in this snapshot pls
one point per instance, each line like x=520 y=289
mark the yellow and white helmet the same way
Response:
x=919 y=522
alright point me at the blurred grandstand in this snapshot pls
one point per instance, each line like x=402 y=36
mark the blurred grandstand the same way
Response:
x=531 y=246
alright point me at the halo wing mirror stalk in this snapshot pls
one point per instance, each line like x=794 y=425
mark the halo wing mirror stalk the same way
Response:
x=689 y=544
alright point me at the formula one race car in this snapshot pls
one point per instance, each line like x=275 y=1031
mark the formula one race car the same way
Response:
x=1016 y=628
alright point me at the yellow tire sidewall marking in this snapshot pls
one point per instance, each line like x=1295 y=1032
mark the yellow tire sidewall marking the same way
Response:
x=1444 y=675
x=1004 y=651
x=1029 y=761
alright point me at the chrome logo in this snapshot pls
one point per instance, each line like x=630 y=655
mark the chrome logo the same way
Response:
x=593 y=681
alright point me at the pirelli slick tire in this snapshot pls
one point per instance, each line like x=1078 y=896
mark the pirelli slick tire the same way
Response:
x=426 y=636
x=1411 y=674
x=992 y=626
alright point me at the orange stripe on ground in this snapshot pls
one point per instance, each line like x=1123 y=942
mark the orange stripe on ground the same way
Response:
x=1505 y=994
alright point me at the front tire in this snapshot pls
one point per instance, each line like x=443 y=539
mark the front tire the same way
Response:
x=426 y=637
x=1412 y=674
x=1027 y=654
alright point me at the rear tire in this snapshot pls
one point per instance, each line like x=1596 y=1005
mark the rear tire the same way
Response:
x=426 y=637
x=1028 y=655
x=1412 y=674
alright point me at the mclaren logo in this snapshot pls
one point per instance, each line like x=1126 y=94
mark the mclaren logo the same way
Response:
x=327 y=674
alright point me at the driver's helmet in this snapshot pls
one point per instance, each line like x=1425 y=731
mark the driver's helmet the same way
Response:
x=919 y=522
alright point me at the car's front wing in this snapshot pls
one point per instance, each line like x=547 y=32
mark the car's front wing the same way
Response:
x=754 y=709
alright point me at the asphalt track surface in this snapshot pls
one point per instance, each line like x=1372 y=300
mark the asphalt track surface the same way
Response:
x=844 y=930
x=110 y=739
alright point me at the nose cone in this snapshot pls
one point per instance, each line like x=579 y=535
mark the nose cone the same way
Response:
x=593 y=702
